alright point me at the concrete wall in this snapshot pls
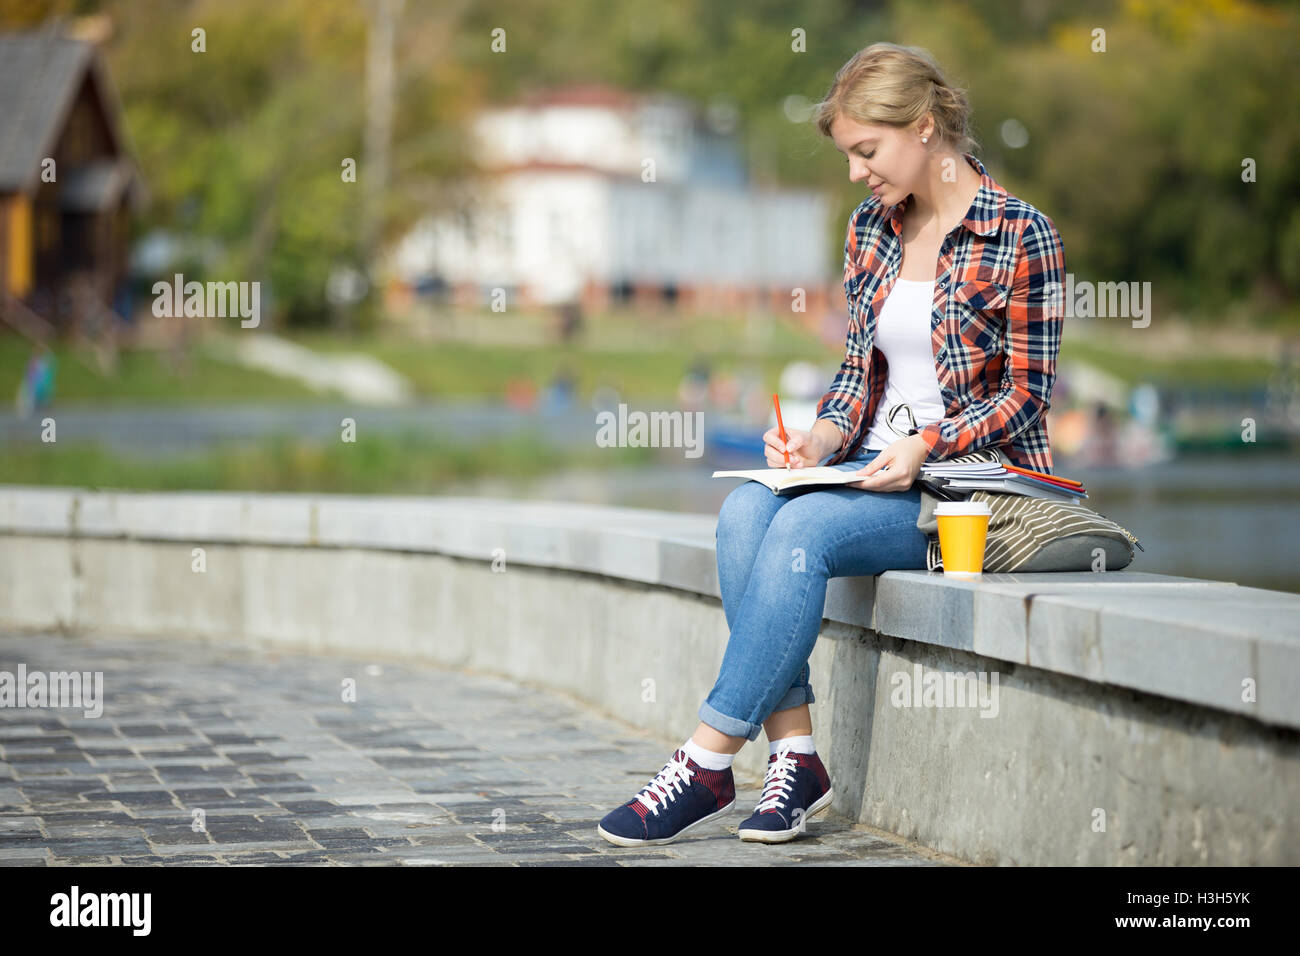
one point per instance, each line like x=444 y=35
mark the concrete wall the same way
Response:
x=1120 y=735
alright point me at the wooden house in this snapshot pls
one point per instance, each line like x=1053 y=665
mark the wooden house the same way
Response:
x=67 y=183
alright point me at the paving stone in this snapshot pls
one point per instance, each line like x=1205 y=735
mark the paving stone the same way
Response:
x=18 y=825
x=130 y=780
x=260 y=835
x=176 y=834
x=86 y=731
x=95 y=846
x=153 y=730
x=86 y=818
x=26 y=842
x=240 y=852
x=285 y=778
x=173 y=861
x=309 y=806
x=145 y=798
x=338 y=834
x=195 y=795
x=23 y=762
x=90 y=831
x=573 y=861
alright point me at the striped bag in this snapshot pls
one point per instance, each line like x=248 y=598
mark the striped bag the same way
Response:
x=1032 y=534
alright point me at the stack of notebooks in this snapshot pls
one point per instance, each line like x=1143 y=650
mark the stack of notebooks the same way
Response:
x=949 y=479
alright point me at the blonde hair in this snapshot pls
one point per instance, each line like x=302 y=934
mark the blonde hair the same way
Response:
x=894 y=85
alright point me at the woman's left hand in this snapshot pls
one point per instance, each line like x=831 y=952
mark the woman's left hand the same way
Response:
x=903 y=458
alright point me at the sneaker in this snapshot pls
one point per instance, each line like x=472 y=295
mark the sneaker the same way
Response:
x=680 y=797
x=796 y=787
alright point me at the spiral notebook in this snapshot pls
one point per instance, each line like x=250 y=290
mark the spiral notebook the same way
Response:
x=958 y=477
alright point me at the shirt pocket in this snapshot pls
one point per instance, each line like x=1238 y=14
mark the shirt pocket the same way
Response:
x=854 y=280
x=979 y=312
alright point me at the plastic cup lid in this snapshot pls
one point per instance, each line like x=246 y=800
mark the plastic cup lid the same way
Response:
x=962 y=508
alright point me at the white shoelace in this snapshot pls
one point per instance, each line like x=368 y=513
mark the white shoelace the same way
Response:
x=779 y=780
x=667 y=783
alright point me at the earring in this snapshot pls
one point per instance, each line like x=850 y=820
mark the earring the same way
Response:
x=925 y=139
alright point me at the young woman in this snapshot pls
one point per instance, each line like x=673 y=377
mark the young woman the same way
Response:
x=954 y=289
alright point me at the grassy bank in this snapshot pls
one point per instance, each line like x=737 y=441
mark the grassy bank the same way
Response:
x=392 y=464
x=645 y=358
x=1207 y=371
x=145 y=376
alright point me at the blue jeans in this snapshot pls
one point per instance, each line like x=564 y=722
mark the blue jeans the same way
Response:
x=775 y=556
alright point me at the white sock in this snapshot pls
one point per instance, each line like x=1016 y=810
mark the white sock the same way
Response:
x=800 y=745
x=707 y=758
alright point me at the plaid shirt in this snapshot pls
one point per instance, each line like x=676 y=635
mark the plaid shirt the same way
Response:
x=995 y=326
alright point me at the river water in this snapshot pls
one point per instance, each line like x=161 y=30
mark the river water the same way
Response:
x=1228 y=517
x=1217 y=517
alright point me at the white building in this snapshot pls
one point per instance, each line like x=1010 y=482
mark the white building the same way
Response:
x=562 y=209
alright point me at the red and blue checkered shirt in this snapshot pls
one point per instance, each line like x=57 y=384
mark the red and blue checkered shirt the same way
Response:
x=995 y=326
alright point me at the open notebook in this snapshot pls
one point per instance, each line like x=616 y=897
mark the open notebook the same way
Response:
x=954 y=478
x=780 y=479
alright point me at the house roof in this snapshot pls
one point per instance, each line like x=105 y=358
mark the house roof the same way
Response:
x=41 y=73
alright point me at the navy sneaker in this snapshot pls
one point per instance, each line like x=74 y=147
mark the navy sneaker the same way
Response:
x=796 y=787
x=680 y=797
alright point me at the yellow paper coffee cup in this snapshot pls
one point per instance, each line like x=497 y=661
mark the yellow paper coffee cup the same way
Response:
x=963 y=531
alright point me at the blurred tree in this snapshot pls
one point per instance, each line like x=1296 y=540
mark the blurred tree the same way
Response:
x=246 y=142
x=1136 y=152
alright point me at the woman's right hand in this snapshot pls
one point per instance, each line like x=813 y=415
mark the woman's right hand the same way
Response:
x=801 y=444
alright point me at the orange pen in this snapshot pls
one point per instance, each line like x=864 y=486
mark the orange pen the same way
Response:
x=781 y=425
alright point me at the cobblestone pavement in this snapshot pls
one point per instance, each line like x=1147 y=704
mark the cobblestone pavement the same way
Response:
x=427 y=767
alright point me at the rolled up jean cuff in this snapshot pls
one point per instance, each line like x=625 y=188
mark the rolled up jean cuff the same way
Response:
x=735 y=727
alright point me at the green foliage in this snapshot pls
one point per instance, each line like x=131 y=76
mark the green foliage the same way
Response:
x=1136 y=152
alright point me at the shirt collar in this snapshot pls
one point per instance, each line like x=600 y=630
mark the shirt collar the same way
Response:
x=985 y=213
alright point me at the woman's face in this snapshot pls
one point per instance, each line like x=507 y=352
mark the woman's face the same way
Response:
x=889 y=160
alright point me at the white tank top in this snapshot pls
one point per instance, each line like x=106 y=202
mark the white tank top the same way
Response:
x=903 y=335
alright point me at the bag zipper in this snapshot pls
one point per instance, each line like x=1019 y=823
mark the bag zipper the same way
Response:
x=1128 y=534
